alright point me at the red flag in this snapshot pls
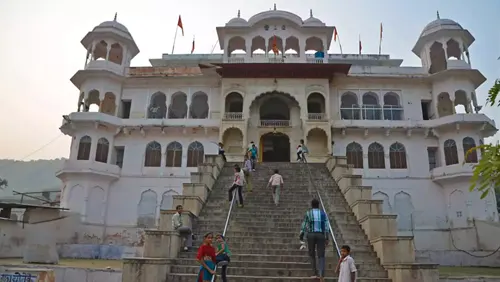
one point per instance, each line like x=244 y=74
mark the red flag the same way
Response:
x=335 y=34
x=360 y=46
x=179 y=24
x=192 y=48
x=381 y=31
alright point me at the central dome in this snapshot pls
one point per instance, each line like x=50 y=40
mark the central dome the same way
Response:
x=113 y=24
x=440 y=24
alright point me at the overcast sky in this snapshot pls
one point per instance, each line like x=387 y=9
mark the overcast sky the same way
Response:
x=40 y=47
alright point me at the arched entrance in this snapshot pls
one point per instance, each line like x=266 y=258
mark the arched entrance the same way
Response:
x=275 y=147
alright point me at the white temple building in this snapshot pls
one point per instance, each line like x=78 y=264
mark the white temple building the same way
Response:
x=137 y=132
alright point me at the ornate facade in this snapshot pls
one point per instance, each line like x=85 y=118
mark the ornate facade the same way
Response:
x=139 y=131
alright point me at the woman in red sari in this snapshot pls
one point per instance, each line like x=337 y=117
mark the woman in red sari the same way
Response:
x=206 y=257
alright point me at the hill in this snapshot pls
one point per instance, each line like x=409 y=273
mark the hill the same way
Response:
x=30 y=176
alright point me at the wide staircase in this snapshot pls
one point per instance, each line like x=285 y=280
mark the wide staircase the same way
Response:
x=263 y=238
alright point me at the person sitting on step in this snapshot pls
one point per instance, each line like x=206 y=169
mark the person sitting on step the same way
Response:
x=299 y=153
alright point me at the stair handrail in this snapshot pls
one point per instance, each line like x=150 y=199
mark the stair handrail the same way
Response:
x=225 y=226
x=311 y=180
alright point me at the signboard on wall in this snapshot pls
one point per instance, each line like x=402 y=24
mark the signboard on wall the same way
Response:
x=17 y=277
x=27 y=275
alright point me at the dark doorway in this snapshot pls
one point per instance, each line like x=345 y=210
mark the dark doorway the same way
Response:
x=275 y=147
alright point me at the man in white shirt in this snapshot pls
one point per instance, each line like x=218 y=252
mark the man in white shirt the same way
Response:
x=184 y=231
x=346 y=268
x=276 y=182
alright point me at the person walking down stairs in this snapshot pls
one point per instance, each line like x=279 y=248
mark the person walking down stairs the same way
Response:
x=317 y=228
x=239 y=179
x=276 y=183
x=247 y=169
x=253 y=152
x=184 y=231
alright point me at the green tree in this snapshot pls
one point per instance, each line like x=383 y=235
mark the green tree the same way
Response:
x=486 y=174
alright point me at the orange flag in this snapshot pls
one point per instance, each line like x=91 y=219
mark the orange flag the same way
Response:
x=179 y=24
x=275 y=46
x=192 y=48
x=335 y=34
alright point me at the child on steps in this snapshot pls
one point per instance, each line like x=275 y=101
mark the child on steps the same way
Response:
x=222 y=255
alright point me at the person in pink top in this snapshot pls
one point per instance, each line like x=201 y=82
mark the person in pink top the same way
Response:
x=276 y=183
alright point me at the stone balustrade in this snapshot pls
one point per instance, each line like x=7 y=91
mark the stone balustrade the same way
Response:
x=164 y=244
x=396 y=253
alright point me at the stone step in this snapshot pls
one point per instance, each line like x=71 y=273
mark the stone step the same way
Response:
x=189 y=277
x=203 y=226
x=280 y=245
x=246 y=235
x=330 y=264
x=304 y=258
x=258 y=223
x=274 y=239
x=342 y=238
x=279 y=272
x=287 y=251
x=223 y=209
x=244 y=213
x=349 y=227
x=244 y=216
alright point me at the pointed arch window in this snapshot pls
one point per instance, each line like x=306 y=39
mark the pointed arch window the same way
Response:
x=467 y=144
x=84 y=148
x=397 y=156
x=354 y=154
x=153 y=155
x=101 y=153
x=196 y=154
x=376 y=158
x=450 y=152
x=174 y=154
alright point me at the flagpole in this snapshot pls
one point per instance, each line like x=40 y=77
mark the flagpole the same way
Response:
x=340 y=45
x=175 y=37
x=213 y=48
x=380 y=40
x=359 y=43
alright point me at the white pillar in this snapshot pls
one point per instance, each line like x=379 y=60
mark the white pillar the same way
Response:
x=188 y=102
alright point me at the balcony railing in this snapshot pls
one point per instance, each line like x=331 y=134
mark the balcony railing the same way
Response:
x=233 y=116
x=316 y=116
x=236 y=60
x=393 y=112
x=372 y=112
x=315 y=60
x=275 y=123
x=274 y=59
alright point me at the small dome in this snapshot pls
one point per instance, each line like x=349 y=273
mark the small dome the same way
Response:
x=440 y=24
x=113 y=24
x=237 y=22
x=312 y=21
